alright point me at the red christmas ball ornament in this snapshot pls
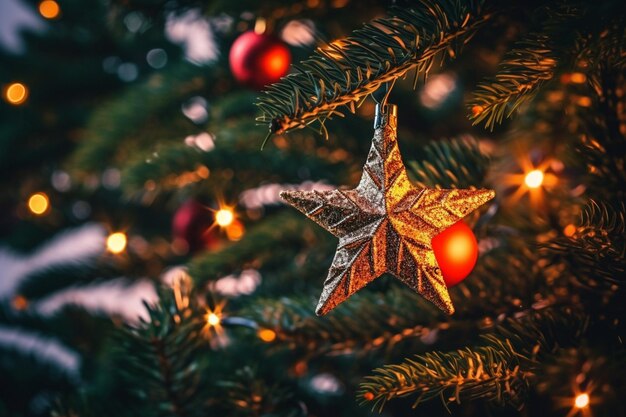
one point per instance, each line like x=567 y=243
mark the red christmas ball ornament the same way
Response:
x=192 y=228
x=257 y=60
x=456 y=251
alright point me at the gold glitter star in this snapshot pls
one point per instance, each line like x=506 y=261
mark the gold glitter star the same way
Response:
x=385 y=224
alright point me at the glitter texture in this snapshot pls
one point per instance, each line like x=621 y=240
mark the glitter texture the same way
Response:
x=385 y=224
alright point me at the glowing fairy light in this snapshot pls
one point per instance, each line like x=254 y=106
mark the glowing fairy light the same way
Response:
x=16 y=93
x=116 y=242
x=534 y=179
x=49 y=9
x=38 y=203
x=213 y=319
x=267 y=335
x=581 y=400
x=224 y=217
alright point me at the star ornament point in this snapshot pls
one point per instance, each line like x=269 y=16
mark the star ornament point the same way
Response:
x=385 y=225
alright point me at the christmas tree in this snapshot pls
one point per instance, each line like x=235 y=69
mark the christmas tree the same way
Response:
x=150 y=266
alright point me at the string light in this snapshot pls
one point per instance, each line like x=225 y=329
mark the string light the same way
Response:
x=213 y=319
x=49 y=9
x=267 y=335
x=16 y=93
x=38 y=203
x=116 y=242
x=581 y=400
x=224 y=217
x=534 y=178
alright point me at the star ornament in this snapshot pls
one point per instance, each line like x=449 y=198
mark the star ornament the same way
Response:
x=385 y=224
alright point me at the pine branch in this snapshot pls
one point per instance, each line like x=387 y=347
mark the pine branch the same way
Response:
x=45 y=281
x=286 y=230
x=246 y=394
x=455 y=163
x=499 y=371
x=158 y=360
x=115 y=121
x=596 y=253
x=525 y=69
x=175 y=166
x=345 y=72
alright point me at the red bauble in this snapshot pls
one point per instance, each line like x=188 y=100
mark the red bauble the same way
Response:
x=191 y=227
x=257 y=60
x=456 y=251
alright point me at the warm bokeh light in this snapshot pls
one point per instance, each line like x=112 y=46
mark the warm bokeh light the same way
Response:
x=569 y=230
x=534 y=179
x=235 y=231
x=19 y=302
x=38 y=203
x=116 y=242
x=16 y=93
x=49 y=9
x=213 y=319
x=267 y=335
x=224 y=217
x=582 y=400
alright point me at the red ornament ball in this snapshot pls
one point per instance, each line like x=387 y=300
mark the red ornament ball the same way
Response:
x=257 y=60
x=192 y=228
x=456 y=251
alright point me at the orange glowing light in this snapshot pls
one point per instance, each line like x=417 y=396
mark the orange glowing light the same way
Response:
x=224 y=217
x=20 y=302
x=38 y=203
x=116 y=242
x=49 y=9
x=534 y=179
x=16 y=93
x=569 y=230
x=267 y=335
x=213 y=319
x=578 y=78
x=582 y=400
x=235 y=231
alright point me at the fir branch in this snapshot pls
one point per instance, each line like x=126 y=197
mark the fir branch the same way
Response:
x=596 y=253
x=499 y=371
x=158 y=359
x=286 y=230
x=174 y=166
x=43 y=282
x=455 y=163
x=246 y=394
x=345 y=72
x=115 y=121
x=525 y=69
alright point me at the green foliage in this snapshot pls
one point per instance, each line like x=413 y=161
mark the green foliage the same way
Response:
x=524 y=70
x=499 y=371
x=346 y=72
x=115 y=122
x=596 y=252
x=287 y=231
x=45 y=281
x=158 y=360
x=455 y=163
